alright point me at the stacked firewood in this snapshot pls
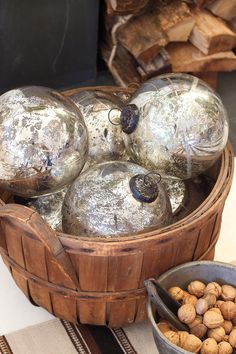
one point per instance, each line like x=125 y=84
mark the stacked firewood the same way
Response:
x=143 y=38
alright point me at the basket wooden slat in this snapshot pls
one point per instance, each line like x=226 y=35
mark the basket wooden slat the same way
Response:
x=101 y=282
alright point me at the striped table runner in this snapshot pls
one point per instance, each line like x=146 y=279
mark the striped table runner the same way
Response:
x=62 y=337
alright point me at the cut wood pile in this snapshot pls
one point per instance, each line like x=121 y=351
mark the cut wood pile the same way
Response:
x=143 y=38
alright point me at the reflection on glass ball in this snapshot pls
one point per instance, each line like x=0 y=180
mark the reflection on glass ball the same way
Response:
x=43 y=141
x=175 y=124
x=49 y=207
x=105 y=139
x=100 y=202
x=177 y=192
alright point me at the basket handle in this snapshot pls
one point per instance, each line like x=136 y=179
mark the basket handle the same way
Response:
x=22 y=217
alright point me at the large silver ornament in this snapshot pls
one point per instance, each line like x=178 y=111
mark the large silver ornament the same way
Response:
x=177 y=192
x=43 y=141
x=105 y=139
x=114 y=199
x=49 y=207
x=175 y=124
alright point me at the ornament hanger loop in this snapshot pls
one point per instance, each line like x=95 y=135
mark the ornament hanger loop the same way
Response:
x=152 y=173
x=109 y=116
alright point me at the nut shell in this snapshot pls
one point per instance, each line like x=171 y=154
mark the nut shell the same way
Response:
x=172 y=337
x=228 y=326
x=228 y=310
x=211 y=299
x=232 y=338
x=224 y=348
x=201 y=306
x=176 y=292
x=190 y=299
x=187 y=313
x=196 y=288
x=213 y=288
x=192 y=343
x=216 y=333
x=212 y=319
x=228 y=292
x=209 y=346
x=199 y=330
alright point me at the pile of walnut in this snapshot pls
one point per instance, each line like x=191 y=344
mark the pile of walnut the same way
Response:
x=210 y=313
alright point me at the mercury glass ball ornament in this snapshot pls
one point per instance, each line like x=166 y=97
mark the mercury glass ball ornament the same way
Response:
x=175 y=124
x=113 y=199
x=105 y=139
x=43 y=141
x=49 y=207
x=177 y=192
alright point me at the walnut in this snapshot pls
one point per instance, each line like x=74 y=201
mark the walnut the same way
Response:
x=212 y=319
x=199 y=330
x=176 y=292
x=182 y=337
x=163 y=326
x=228 y=292
x=196 y=288
x=232 y=338
x=228 y=310
x=213 y=288
x=216 y=333
x=211 y=299
x=216 y=309
x=234 y=321
x=218 y=303
x=190 y=299
x=224 y=348
x=209 y=346
x=192 y=343
x=172 y=337
x=201 y=306
x=187 y=313
x=197 y=321
x=228 y=326
x=226 y=338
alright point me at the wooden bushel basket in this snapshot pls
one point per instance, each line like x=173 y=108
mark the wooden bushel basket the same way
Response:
x=101 y=282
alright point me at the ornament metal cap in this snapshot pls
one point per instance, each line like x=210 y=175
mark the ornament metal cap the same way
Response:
x=129 y=118
x=144 y=188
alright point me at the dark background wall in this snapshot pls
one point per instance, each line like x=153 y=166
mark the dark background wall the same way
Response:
x=47 y=42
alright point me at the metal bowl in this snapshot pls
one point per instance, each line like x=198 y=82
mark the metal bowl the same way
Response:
x=181 y=276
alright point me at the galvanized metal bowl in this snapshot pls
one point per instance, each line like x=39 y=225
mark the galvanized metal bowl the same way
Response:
x=181 y=276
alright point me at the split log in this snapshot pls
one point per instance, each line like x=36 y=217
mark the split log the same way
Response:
x=211 y=34
x=125 y=7
x=184 y=57
x=223 y=8
x=145 y=35
x=159 y=65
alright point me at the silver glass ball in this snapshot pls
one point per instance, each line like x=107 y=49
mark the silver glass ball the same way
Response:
x=43 y=141
x=105 y=139
x=49 y=207
x=177 y=192
x=175 y=124
x=100 y=202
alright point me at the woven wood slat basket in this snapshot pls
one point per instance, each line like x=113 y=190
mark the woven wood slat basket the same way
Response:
x=101 y=282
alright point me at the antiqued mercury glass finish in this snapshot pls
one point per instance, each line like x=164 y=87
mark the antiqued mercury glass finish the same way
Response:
x=179 y=125
x=43 y=141
x=49 y=207
x=177 y=191
x=105 y=139
x=100 y=203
